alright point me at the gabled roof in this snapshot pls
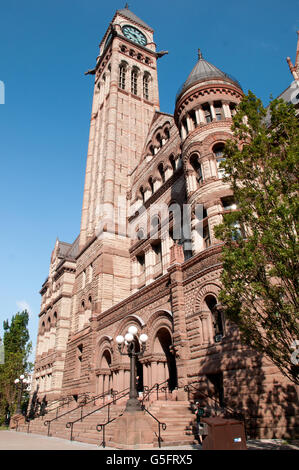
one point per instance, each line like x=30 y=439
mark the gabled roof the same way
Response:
x=131 y=16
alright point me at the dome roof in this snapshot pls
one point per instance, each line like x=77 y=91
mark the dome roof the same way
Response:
x=202 y=71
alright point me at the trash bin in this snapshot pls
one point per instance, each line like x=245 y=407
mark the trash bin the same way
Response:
x=224 y=434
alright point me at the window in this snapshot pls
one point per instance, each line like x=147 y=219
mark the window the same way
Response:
x=122 y=77
x=196 y=167
x=159 y=139
x=216 y=316
x=218 y=110
x=206 y=236
x=193 y=118
x=233 y=109
x=140 y=234
x=83 y=279
x=141 y=264
x=134 y=76
x=155 y=226
x=172 y=162
x=207 y=112
x=237 y=231
x=146 y=86
x=218 y=152
x=142 y=193
x=162 y=173
x=151 y=183
x=79 y=359
x=228 y=203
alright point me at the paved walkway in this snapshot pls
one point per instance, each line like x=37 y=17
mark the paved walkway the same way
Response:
x=12 y=440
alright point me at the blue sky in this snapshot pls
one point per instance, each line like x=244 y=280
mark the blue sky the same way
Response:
x=45 y=48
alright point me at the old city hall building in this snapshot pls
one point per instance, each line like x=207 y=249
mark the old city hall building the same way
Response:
x=135 y=263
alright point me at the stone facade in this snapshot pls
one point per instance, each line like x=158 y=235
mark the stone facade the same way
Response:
x=132 y=263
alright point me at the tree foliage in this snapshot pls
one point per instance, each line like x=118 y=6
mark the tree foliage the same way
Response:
x=260 y=254
x=17 y=348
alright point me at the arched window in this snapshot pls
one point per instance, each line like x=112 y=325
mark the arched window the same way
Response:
x=140 y=234
x=151 y=183
x=134 y=76
x=146 y=79
x=122 y=76
x=218 y=151
x=152 y=150
x=159 y=139
x=216 y=316
x=172 y=162
x=162 y=172
x=166 y=132
x=196 y=167
x=142 y=193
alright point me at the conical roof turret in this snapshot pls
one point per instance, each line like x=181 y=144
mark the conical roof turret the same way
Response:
x=203 y=71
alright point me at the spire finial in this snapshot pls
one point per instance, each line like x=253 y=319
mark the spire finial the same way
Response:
x=126 y=6
x=199 y=54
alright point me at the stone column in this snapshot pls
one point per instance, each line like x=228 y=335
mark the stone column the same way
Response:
x=178 y=305
x=191 y=180
x=168 y=171
x=190 y=124
x=197 y=238
x=183 y=132
x=149 y=265
x=165 y=246
x=226 y=110
x=213 y=114
x=157 y=183
x=134 y=275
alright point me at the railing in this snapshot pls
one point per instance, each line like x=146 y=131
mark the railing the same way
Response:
x=156 y=387
x=102 y=426
x=17 y=420
x=217 y=407
x=48 y=422
x=124 y=393
x=164 y=426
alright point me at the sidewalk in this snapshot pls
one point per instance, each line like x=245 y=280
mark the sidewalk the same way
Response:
x=12 y=440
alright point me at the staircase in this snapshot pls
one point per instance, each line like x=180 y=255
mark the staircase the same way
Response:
x=175 y=414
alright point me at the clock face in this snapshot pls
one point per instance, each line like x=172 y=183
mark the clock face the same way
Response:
x=134 y=35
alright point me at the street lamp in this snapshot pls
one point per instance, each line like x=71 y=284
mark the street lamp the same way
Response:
x=133 y=404
x=21 y=380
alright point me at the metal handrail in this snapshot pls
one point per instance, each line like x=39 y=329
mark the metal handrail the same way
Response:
x=102 y=426
x=48 y=422
x=70 y=424
x=164 y=426
x=66 y=401
x=156 y=387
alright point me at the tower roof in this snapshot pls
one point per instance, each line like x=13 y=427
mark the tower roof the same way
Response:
x=204 y=70
x=131 y=16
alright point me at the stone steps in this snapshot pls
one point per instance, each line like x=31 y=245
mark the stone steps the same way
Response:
x=177 y=416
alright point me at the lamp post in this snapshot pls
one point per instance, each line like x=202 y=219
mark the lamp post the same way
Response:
x=133 y=404
x=21 y=380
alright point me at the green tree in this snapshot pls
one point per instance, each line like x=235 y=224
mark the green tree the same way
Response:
x=17 y=348
x=260 y=253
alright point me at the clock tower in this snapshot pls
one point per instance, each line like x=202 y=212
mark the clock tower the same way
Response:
x=125 y=100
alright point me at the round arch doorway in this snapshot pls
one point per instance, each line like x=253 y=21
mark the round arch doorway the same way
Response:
x=166 y=367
